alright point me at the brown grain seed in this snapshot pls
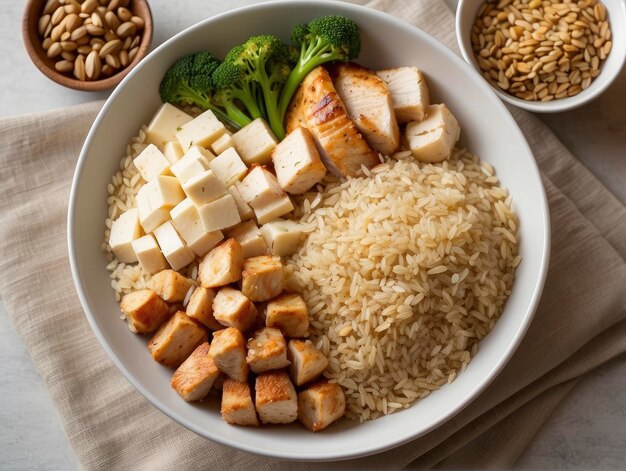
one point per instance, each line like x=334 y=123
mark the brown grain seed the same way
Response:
x=72 y=8
x=138 y=22
x=64 y=66
x=599 y=12
x=82 y=41
x=93 y=65
x=113 y=5
x=96 y=20
x=54 y=50
x=607 y=48
x=57 y=16
x=126 y=43
x=78 y=33
x=132 y=53
x=68 y=46
x=68 y=56
x=65 y=36
x=96 y=47
x=107 y=69
x=109 y=35
x=113 y=61
x=72 y=22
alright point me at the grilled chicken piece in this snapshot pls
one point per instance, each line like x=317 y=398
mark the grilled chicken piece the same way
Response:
x=342 y=148
x=295 y=116
x=368 y=101
x=409 y=92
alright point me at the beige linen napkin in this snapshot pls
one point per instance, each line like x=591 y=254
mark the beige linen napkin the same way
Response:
x=580 y=324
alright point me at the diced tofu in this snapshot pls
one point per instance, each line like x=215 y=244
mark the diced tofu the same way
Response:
x=228 y=351
x=237 y=405
x=204 y=188
x=262 y=278
x=200 y=307
x=151 y=163
x=255 y=142
x=321 y=405
x=232 y=309
x=222 y=265
x=124 y=230
x=274 y=210
x=173 y=247
x=149 y=254
x=219 y=214
x=170 y=285
x=173 y=152
x=165 y=124
x=194 y=162
x=186 y=220
x=409 y=93
x=289 y=314
x=250 y=237
x=260 y=188
x=245 y=211
x=307 y=362
x=276 y=398
x=433 y=139
x=201 y=131
x=282 y=237
x=144 y=310
x=225 y=141
x=267 y=350
x=194 y=378
x=297 y=162
x=176 y=339
x=155 y=200
x=229 y=167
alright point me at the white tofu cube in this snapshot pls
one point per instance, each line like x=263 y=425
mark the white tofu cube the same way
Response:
x=124 y=230
x=187 y=223
x=409 y=93
x=173 y=152
x=173 y=247
x=297 y=162
x=149 y=254
x=282 y=237
x=255 y=142
x=260 y=188
x=200 y=131
x=274 y=210
x=194 y=162
x=250 y=237
x=245 y=211
x=219 y=214
x=151 y=163
x=229 y=167
x=204 y=188
x=433 y=139
x=166 y=122
x=155 y=200
x=225 y=141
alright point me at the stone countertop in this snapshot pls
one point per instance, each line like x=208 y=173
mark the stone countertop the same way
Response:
x=587 y=431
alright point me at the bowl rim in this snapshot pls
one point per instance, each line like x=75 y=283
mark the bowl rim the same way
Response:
x=35 y=52
x=385 y=442
x=555 y=106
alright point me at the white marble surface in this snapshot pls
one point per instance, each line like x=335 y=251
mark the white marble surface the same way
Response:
x=587 y=431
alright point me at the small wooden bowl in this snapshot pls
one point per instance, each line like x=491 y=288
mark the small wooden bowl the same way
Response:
x=32 y=42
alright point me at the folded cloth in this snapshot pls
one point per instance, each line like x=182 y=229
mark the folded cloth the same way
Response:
x=580 y=323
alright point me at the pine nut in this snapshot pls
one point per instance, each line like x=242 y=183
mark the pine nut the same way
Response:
x=54 y=50
x=64 y=66
x=111 y=47
x=79 y=68
x=126 y=29
x=138 y=21
x=89 y=6
x=93 y=66
x=57 y=16
x=113 y=61
x=43 y=24
x=124 y=14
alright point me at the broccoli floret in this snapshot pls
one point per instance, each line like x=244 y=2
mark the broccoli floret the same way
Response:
x=325 y=39
x=233 y=86
x=264 y=61
x=189 y=82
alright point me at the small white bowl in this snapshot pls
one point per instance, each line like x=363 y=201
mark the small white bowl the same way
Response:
x=466 y=14
x=488 y=130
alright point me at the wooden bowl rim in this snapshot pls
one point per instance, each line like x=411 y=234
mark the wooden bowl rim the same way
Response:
x=40 y=60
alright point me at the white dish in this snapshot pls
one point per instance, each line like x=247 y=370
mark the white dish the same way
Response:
x=488 y=130
x=466 y=14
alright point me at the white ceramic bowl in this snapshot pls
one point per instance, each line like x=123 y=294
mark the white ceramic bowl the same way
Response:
x=466 y=14
x=488 y=130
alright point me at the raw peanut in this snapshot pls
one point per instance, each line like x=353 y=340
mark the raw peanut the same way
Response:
x=95 y=30
x=113 y=61
x=54 y=50
x=57 y=16
x=124 y=14
x=123 y=58
x=85 y=49
x=89 y=6
x=46 y=44
x=126 y=29
x=78 y=33
x=93 y=66
x=64 y=66
x=43 y=24
x=138 y=21
x=111 y=47
x=79 y=68
x=112 y=20
x=68 y=46
x=68 y=56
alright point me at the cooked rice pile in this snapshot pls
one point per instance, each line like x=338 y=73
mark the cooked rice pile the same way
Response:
x=404 y=273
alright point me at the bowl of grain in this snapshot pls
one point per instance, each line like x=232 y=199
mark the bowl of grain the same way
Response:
x=87 y=45
x=544 y=56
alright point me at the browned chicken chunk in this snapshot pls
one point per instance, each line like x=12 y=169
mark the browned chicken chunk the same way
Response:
x=288 y=313
x=369 y=105
x=228 y=351
x=307 y=362
x=200 y=307
x=222 y=265
x=267 y=350
x=170 y=285
x=176 y=339
x=194 y=378
x=232 y=309
x=342 y=148
x=237 y=405
x=276 y=398
x=321 y=405
x=144 y=310
x=262 y=278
